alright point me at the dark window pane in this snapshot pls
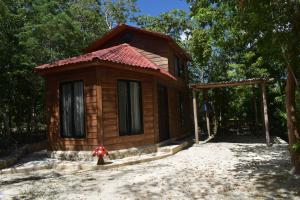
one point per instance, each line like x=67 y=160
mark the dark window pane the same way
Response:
x=66 y=107
x=78 y=109
x=179 y=67
x=181 y=74
x=123 y=107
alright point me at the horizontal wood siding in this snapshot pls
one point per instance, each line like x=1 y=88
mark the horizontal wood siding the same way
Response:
x=90 y=102
x=112 y=140
x=176 y=130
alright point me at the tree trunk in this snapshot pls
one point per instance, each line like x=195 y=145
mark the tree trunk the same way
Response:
x=205 y=96
x=293 y=133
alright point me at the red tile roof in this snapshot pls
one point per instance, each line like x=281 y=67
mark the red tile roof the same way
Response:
x=122 y=54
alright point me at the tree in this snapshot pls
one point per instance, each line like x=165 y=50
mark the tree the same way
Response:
x=279 y=27
x=175 y=23
x=256 y=38
x=201 y=48
x=54 y=30
x=117 y=11
x=33 y=33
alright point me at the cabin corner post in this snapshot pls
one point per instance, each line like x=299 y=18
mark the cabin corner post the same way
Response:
x=100 y=132
x=195 y=117
x=265 y=111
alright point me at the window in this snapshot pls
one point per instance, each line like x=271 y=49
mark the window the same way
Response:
x=181 y=108
x=182 y=71
x=130 y=103
x=127 y=37
x=72 y=110
x=179 y=67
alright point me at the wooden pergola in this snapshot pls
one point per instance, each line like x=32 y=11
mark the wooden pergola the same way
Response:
x=212 y=85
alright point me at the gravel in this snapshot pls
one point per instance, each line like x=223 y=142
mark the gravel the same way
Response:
x=217 y=170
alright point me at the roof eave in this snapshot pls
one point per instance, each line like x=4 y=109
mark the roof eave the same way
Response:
x=97 y=63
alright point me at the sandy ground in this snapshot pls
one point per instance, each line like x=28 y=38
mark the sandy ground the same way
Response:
x=210 y=171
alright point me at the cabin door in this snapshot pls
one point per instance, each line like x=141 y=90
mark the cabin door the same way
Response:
x=163 y=113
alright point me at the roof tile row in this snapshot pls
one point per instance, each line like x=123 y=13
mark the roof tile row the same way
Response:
x=123 y=54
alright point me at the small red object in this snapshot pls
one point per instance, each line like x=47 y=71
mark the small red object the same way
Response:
x=100 y=152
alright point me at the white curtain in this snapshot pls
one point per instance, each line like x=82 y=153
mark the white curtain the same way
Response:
x=66 y=110
x=135 y=100
x=72 y=109
x=78 y=109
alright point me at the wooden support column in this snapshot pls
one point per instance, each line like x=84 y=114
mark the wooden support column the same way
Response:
x=255 y=110
x=206 y=112
x=195 y=117
x=265 y=109
x=100 y=133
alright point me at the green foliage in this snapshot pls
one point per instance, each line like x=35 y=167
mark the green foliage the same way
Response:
x=35 y=32
x=275 y=27
x=174 y=23
x=229 y=43
x=200 y=46
x=296 y=147
x=117 y=11
x=54 y=31
x=244 y=45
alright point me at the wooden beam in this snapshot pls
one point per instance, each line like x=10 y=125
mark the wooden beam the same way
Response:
x=206 y=113
x=228 y=84
x=195 y=117
x=266 y=118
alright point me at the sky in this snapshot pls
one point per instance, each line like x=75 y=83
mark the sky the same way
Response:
x=155 y=7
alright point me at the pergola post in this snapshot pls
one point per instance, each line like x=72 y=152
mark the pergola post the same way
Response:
x=265 y=108
x=195 y=117
x=206 y=112
x=255 y=110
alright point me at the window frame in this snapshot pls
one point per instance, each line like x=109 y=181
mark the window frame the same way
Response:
x=179 y=67
x=72 y=107
x=129 y=132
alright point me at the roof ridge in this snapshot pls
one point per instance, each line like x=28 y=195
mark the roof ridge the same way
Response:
x=109 y=50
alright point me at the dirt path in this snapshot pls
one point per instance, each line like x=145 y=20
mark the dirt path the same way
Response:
x=209 y=171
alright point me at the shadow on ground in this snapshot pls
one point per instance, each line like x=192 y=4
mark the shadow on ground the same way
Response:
x=29 y=178
x=217 y=170
x=269 y=168
x=244 y=139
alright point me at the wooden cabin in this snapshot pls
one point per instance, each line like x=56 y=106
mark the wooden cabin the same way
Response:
x=129 y=89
